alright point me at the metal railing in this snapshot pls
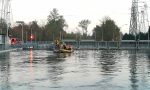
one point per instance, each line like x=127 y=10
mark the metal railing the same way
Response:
x=91 y=44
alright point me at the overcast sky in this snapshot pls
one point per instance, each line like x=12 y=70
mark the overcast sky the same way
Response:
x=74 y=11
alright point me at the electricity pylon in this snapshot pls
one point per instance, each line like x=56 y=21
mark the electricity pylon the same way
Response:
x=134 y=20
x=5 y=6
x=144 y=22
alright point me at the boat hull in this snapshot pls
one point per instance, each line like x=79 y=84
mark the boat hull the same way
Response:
x=63 y=51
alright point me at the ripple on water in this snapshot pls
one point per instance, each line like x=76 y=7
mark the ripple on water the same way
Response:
x=81 y=70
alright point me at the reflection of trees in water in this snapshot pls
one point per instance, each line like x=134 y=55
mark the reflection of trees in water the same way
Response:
x=139 y=67
x=148 y=61
x=133 y=69
x=4 y=71
x=55 y=66
x=57 y=57
x=148 y=55
x=84 y=61
x=108 y=61
x=82 y=54
x=146 y=69
x=62 y=55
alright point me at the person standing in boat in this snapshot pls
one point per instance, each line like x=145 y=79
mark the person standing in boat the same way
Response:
x=64 y=46
x=57 y=44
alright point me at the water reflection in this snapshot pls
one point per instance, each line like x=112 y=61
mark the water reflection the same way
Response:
x=62 y=55
x=31 y=58
x=82 y=54
x=4 y=71
x=133 y=69
x=81 y=70
x=56 y=67
x=108 y=61
x=148 y=61
x=58 y=56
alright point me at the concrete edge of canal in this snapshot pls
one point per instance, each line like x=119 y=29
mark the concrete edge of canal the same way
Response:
x=9 y=50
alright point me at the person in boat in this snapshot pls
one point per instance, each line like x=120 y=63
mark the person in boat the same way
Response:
x=57 y=44
x=69 y=47
x=64 y=46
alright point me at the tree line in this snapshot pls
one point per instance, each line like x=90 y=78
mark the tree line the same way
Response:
x=107 y=30
x=138 y=36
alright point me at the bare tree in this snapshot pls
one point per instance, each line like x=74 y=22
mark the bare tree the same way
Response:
x=84 y=25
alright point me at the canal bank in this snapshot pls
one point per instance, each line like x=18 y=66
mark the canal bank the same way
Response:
x=9 y=50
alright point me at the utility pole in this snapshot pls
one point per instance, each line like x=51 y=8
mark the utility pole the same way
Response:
x=5 y=8
x=22 y=23
x=147 y=20
x=144 y=22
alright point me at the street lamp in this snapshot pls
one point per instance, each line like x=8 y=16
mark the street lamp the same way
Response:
x=8 y=23
x=21 y=22
x=102 y=35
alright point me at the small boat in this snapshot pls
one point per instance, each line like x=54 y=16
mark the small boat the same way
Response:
x=61 y=47
x=67 y=49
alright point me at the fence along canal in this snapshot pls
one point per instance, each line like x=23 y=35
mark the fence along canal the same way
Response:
x=91 y=44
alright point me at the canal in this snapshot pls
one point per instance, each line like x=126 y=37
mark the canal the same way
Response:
x=81 y=70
